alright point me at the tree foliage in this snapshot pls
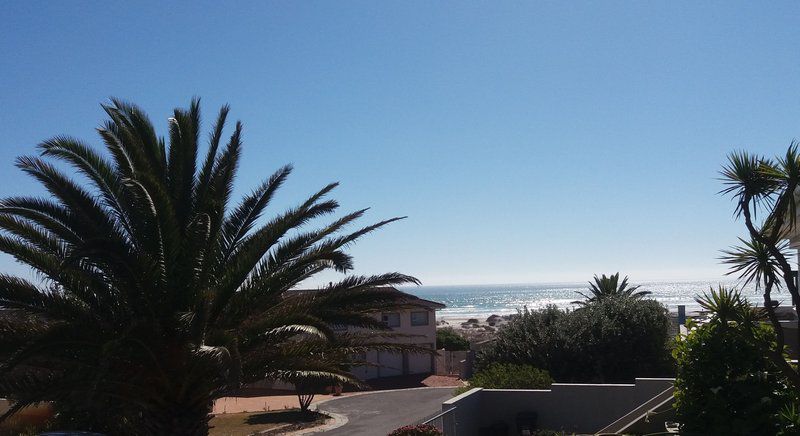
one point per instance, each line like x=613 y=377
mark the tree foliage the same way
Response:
x=447 y=338
x=725 y=384
x=610 y=287
x=509 y=376
x=765 y=195
x=155 y=292
x=611 y=340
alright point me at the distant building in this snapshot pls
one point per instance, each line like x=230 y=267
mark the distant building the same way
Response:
x=417 y=320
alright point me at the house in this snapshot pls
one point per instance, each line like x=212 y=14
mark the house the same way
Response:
x=417 y=321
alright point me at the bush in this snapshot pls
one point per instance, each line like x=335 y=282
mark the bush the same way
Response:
x=449 y=339
x=725 y=384
x=509 y=376
x=416 y=430
x=613 y=340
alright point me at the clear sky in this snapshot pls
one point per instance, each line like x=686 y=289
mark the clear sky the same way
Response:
x=526 y=141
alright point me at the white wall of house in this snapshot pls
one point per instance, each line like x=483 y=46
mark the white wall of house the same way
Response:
x=420 y=324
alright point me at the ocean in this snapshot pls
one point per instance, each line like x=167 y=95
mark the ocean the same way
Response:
x=481 y=301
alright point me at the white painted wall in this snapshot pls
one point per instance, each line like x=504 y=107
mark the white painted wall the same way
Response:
x=391 y=364
x=580 y=408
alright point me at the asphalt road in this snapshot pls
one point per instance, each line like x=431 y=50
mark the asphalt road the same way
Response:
x=377 y=414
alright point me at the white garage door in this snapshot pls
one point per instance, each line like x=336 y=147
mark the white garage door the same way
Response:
x=420 y=363
x=391 y=364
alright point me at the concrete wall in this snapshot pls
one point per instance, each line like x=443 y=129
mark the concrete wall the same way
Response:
x=790 y=337
x=465 y=418
x=580 y=408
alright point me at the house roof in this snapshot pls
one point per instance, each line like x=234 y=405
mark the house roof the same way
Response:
x=409 y=298
x=413 y=299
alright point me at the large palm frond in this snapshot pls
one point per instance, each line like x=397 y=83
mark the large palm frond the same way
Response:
x=610 y=287
x=155 y=293
x=754 y=262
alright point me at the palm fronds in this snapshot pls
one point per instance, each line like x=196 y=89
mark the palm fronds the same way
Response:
x=610 y=287
x=157 y=293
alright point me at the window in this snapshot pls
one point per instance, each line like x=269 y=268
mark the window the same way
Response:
x=419 y=318
x=391 y=319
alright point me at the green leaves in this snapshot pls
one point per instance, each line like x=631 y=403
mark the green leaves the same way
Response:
x=156 y=293
x=723 y=372
x=754 y=262
x=611 y=340
x=770 y=186
x=610 y=287
x=750 y=178
x=729 y=305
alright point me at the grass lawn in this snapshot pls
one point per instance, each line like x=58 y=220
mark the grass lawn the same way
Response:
x=244 y=424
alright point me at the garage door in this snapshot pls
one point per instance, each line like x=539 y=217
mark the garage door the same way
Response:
x=420 y=363
x=391 y=364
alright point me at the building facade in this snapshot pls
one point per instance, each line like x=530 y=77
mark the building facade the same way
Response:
x=417 y=324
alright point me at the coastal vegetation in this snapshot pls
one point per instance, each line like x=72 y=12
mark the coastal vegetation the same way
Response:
x=764 y=192
x=610 y=287
x=609 y=340
x=154 y=293
x=447 y=338
x=508 y=376
x=725 y=383
x=734 y=371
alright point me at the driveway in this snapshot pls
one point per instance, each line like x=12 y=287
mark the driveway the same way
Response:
x=378 y=413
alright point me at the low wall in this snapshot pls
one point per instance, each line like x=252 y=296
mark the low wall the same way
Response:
x=579 y=408
x=464 y=419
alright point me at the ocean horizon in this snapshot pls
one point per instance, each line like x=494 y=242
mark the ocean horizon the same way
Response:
x=481 y=301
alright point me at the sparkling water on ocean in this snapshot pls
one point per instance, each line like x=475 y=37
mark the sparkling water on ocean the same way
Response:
x=480 y=301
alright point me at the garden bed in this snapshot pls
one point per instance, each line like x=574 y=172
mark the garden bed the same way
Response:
x=274 y=422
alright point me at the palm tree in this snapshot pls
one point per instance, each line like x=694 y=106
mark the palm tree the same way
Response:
x=153 y=295
x=610 y=287
x=769 y=188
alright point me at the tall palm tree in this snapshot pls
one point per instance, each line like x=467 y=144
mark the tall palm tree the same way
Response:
x=609 y=287
x=765 y=193
x=154 y=295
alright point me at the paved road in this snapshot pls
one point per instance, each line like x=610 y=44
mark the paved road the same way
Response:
x=377 y=414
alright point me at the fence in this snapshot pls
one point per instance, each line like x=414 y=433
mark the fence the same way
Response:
x=450 y=362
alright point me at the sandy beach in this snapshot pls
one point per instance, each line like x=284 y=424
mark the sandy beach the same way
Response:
x=478 y=329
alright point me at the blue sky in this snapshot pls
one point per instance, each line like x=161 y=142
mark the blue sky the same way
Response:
x=526 y=141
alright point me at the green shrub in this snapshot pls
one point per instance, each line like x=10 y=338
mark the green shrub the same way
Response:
x=449 y=339
x=509 y=376
x=613 y=340
x=789 y=420
x=416 y=430
x=725 y=384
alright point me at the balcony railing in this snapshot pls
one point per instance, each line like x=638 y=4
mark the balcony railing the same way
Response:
x=445 y=421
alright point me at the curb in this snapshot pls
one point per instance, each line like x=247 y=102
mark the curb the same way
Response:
x=358 y=394
x=337 y=421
